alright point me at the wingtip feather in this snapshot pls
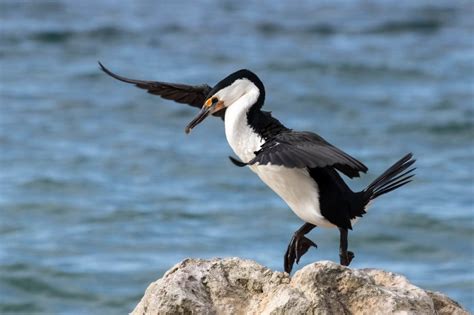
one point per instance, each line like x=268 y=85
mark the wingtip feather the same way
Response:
x=102 y=67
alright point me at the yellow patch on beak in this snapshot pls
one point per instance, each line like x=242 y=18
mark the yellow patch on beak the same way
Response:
x=214 y=105
x=208 y=102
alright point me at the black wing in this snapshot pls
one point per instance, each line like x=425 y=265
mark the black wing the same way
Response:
x=181 y=93
x=306 y=149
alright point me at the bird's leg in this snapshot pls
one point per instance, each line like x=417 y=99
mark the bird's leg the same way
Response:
x=298 y=246
x=344 y=255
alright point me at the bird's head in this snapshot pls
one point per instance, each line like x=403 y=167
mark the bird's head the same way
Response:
x=242 y=89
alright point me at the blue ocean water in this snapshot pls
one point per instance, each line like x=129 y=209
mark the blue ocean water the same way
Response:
x=101 y=191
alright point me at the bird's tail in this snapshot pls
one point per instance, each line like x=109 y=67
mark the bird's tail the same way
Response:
x=394 y=177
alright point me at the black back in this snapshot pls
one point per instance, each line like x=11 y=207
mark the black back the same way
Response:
x=264 y=124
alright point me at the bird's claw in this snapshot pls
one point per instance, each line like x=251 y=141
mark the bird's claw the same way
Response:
x=298 y=246
x=345 y=259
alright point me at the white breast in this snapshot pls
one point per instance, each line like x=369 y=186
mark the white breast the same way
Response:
x=293 y=185
x=241 y=137
x=296 y=188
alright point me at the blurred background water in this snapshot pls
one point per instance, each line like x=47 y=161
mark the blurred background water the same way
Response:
x=101 y=191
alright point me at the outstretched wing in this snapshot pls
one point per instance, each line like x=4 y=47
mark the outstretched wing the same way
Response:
x=194 y=95
x=306 y=149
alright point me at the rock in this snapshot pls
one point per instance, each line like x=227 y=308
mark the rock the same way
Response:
x=237 y=286
x=444 y=305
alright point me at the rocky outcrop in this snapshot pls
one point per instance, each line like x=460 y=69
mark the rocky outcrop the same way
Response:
x=236 y=286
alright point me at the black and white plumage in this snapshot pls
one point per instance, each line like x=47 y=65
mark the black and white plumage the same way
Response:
x=301 y=167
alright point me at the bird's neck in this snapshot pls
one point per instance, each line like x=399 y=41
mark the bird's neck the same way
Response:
x=241 y=136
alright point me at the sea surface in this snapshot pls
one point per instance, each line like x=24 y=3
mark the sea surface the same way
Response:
x=101 y=191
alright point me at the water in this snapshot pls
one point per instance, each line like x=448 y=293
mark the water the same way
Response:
x=101 y=190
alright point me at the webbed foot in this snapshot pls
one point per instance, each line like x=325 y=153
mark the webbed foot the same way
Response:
x=297 y=247
x=345 y=259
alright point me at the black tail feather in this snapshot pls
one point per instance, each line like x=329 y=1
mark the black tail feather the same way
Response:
x=394 y=177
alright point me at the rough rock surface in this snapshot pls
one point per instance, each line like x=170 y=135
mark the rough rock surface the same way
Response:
x=237 y=286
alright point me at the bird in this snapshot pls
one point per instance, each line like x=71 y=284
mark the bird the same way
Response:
x=301 y=167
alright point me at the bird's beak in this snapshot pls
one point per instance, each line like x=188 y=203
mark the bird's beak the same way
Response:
x=208 y=109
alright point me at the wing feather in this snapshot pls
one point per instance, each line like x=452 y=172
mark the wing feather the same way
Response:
x=194 y=95
x=305 y=149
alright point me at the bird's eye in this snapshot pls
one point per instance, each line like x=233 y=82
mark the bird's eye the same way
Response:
x=214 y=100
